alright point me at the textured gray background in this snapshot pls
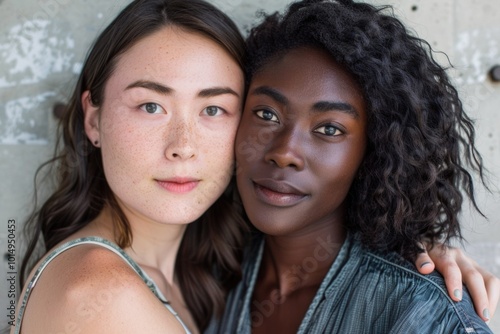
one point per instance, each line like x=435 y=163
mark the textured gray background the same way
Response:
x=43 y=43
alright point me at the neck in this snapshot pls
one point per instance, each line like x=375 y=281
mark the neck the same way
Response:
x=157 y=247
x=154 y=245
x=301 y=261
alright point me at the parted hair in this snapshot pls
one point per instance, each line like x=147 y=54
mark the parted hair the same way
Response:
x=420 y=148
x=209 y=257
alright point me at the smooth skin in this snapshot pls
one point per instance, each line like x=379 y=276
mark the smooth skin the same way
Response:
x=163 y=174
x=294 y=184
x=300 y=142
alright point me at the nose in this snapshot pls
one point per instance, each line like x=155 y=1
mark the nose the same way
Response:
x=180 y=140
x=285 y=150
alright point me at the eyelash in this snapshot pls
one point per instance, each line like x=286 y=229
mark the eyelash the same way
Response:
x=219 y=109
x=274 y=118
x=143 y=107
x=260 y=114
x=337 y=131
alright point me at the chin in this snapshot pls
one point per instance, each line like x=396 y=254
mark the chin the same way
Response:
x=272 y=228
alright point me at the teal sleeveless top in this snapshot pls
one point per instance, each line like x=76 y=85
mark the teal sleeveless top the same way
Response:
x=103 y=243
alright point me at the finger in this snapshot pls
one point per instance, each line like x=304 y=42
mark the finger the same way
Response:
x=493 y=287
x=424 y=263
x=492 y=292
x=446 y=265
x=474 y=280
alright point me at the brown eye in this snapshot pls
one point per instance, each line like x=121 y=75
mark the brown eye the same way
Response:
x=329 y=130
x=267 y=115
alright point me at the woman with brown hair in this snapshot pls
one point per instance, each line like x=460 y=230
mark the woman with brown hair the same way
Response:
x=135 y=179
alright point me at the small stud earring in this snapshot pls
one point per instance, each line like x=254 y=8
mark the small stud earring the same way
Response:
x=96 y=143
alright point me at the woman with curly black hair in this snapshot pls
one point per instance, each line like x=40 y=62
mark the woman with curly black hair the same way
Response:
x=353 y=149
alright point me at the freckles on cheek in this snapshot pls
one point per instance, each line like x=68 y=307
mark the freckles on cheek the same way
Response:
x=124 y=129
x=221 y=159
x=119 y=145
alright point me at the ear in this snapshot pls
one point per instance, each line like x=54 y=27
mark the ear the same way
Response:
x=90 y=118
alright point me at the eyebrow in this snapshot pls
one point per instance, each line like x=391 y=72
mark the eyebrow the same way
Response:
x=336 y=106
x=321 y=106
x=154 y=86
x=272 y=93
x=164 y=90
x=215 y=91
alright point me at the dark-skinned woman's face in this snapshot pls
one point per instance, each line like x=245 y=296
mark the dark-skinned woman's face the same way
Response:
x=301 y=140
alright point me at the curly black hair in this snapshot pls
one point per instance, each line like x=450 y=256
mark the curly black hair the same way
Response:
x=420 y=140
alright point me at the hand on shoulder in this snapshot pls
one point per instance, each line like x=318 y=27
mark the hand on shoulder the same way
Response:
x=457 y=268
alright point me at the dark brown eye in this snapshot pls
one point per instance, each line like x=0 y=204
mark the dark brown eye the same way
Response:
x=328 y=130
x=267 y=115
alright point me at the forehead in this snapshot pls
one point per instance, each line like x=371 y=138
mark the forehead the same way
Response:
x=309 y=74
x=173 y=53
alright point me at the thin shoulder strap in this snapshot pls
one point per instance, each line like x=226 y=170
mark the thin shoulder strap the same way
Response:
x=103 y=243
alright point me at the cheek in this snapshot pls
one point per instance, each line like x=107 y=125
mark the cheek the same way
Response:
x=218 y=148
x=121 y=141
x=251 y=143
x=339 y=171
x=220 y=155
x=121 y=145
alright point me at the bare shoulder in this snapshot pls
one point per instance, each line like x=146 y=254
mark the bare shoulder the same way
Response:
x=90 y=289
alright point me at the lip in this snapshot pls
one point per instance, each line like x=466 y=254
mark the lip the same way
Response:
x=278 y=193
x=179 y=185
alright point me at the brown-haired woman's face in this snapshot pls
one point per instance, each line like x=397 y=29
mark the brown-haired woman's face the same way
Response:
x=301 y=140
x=167 y=124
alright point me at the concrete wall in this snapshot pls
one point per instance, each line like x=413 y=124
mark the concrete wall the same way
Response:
x=43 y=44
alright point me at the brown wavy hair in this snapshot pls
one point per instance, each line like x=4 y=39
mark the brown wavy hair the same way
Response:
x=212 y=246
